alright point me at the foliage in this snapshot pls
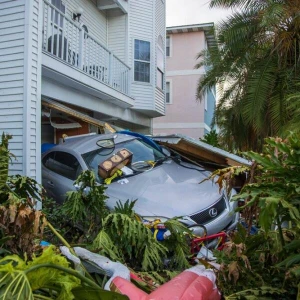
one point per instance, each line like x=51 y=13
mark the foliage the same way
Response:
x=86 y=206
x=178 y=244
x=134 y=241
x=20 y=223
x=47 y=276
x=211 y=138
x=255 y=64
x=268 y=262
x=23 y=225
x=124 y=237
x=42 y=274
x=248 y=268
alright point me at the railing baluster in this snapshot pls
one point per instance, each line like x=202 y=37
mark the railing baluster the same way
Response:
x=67 y=41
x=80 y=54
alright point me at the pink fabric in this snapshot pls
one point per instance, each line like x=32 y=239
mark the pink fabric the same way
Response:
x=185 y=286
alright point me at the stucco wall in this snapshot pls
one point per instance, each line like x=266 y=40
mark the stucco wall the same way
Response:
x=185 y=114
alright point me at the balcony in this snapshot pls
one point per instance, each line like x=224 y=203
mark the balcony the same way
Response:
x=66 y=41
x=122 y=5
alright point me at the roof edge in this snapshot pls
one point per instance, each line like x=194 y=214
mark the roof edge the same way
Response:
x=200 y=26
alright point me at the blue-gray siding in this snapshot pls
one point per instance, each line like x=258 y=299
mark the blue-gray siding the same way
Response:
x=211 y=103
x=19 y=83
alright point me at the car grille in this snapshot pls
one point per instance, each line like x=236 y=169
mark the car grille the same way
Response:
x=206 y=216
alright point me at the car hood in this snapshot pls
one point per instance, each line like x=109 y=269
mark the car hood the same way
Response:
x=167 y=190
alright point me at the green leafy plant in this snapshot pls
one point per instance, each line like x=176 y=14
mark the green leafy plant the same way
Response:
x=47 y=276
x=266 y=264
x=85 y=207
x=124 y=237
x=134 y=241
x=211 y=138
x=34 y=273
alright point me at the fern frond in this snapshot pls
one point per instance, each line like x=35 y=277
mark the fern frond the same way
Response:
x=105 y=246
x=153 y=256
x=126 y=208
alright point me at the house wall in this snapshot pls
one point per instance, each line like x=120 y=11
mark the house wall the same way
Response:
x=92 y=17
x=141 y=26
x=185 y=114
x=20 y=54
x=118 y=33
x=185 y=47
x=160 y=30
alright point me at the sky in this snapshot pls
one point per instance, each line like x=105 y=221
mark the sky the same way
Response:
x=186 y=12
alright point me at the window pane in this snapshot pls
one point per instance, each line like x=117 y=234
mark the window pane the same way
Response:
x=168 y=46
x=142 y=50
x=168 y=51
x=167 y=97
x=167 y=87
x=159 y=79
x=167 y=92
x=160 y=60
x=55 y=15
x=141 y=71
x=63 y=164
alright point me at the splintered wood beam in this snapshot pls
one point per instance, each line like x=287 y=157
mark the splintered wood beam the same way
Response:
x=197 y=153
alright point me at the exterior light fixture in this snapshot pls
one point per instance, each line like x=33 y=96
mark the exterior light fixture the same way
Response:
x=77 y=13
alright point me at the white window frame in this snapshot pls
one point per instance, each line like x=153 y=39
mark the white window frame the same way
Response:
x=170 y=45
x=205 y=101
x=144 y=61
x=170 y=92
x=163 y=72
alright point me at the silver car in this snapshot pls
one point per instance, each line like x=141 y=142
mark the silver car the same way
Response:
x=164 y=186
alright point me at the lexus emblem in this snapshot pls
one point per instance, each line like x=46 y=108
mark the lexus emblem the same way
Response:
x=213 y=212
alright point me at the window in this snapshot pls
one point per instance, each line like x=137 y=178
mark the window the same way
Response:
x=63 y=163
x=141 y=61
x=55 y=15
x=160 y=69
x=160 y=63
x=168 y=97
x=141 y=151
x=168 y=48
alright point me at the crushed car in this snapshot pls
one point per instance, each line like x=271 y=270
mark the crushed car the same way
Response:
x=134 y=167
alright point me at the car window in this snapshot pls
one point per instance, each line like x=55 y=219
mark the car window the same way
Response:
x=141 y=151
x=63 y=163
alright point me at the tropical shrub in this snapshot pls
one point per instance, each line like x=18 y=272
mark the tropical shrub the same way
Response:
x=211 y=138
x=33 y=272
x=255 y=64
x=267 y=264
x=124 y=237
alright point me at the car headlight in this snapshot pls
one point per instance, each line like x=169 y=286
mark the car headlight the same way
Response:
x=198 y=230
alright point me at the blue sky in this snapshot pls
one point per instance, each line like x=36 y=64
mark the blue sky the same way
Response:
x=187 y=12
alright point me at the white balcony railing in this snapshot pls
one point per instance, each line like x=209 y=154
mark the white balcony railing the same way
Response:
x=67 y=41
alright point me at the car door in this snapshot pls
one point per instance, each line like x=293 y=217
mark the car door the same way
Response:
x=60 y=170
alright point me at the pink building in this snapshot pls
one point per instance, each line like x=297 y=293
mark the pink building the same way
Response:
x=184 y=113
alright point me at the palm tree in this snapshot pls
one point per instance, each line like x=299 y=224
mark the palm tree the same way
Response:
x=255 y=61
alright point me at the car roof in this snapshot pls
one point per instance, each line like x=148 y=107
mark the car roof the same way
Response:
x=84 y=144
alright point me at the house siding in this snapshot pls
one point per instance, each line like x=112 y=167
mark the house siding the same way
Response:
x=92 y=17
x=141 y=26
x=19 y=83
x=160 y=30
x=211 y=105
x=117 y=34
x=12 y=28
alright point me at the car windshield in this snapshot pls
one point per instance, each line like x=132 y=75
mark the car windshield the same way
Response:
x=140 y=150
